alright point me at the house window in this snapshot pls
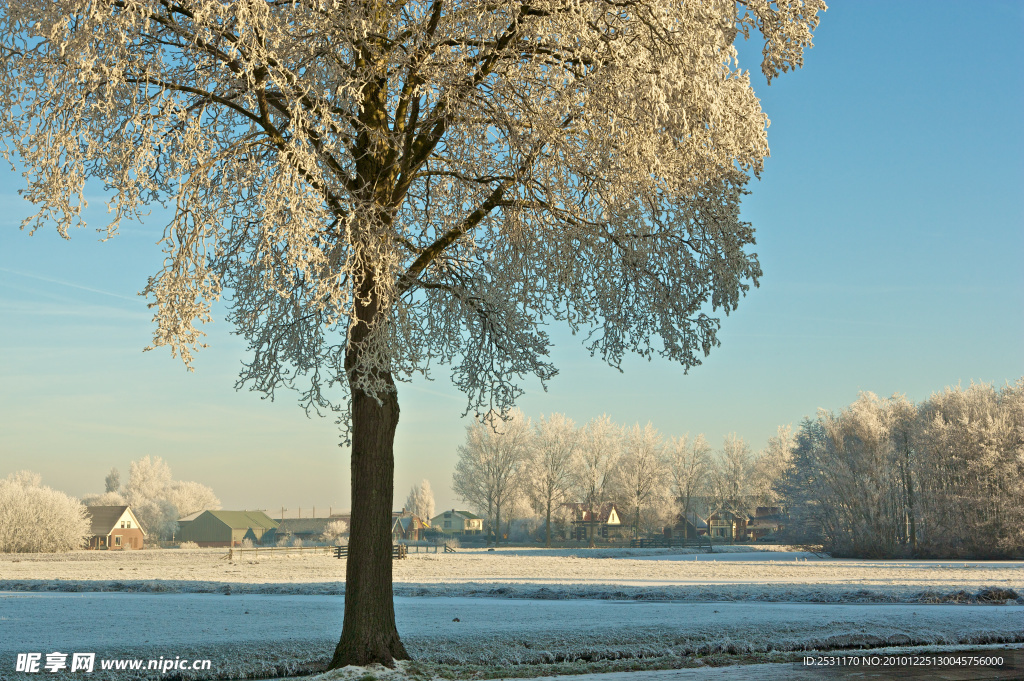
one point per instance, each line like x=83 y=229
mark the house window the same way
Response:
x=447 y=524
x=117 y=540
x=122 y=524
x=129 y=524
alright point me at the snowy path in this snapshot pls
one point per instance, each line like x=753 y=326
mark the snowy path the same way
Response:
x=237 y=631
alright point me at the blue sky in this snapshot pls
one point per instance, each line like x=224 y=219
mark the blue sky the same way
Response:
x=890 y=227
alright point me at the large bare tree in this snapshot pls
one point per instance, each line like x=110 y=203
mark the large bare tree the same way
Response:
x=385 y=185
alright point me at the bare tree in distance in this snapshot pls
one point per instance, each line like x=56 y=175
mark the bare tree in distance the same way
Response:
x=492 y=464
x=600 y=449
x=387 y=186
x=690 y=468
x=420 y=501
x=112 y=483
x=641 y=473
x=734 y=484
x=554 y=457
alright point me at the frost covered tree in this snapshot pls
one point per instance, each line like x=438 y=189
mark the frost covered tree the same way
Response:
x=37 y=519
x=105 y=499
x=384 y=185
x=334 y=532
x=689 y=467
x=734 y=488
x=420 y=501
x=492 y=464
x=600 y=449
x=189 y=497
x=155 y=497
x=772 y=464
x=112 y=483
x=642 y=480
x=554 y=455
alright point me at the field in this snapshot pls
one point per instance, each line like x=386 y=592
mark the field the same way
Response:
x=517 y=611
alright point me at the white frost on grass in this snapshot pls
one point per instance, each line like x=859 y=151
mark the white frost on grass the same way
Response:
x=626 y=574
x=255 y=633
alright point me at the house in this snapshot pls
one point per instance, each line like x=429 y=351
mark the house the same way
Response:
x=114 y=527
x=408 y=527
x=458 y=522
x=766 y=520
x=691 y=526
x=229 y=528
x=729 y=525
x=604 y=521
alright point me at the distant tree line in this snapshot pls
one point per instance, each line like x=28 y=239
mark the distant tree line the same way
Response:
x=886 y=477
x=35 y=518
x=519 y=475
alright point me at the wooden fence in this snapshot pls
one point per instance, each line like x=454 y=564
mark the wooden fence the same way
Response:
x=398 y=551
x=664 y=543
x=257 y=550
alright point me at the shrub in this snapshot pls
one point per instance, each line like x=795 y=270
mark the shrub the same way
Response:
x=247 y=543
x=188 y=545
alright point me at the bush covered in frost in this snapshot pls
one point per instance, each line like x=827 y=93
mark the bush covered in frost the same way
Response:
x=188 y=545
x=38 y=519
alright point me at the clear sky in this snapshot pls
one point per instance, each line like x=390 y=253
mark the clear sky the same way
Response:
x=890 y=227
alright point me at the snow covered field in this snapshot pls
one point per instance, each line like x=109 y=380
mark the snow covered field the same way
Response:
x=281 y=613
x=243 y=634
x=638 y=574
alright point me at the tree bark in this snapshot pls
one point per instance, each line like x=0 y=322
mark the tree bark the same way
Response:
x=547 y=526
x=369 y=633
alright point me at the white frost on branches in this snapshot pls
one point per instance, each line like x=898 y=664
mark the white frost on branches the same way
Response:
x=155 y=497
x=37 y=519
x=334 y=532
x=420 y=501
x=383 y=190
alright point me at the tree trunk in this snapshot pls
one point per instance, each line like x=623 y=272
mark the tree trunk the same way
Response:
x=369 y=633
x=497 y=524
x=547 y=531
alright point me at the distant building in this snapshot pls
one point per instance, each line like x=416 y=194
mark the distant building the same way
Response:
x=691 y=526
x=728 y=525
x=604 y=521
x=114 y=527
x=408 y=527
x=306 y=529
x=229 y=528
x=458 y=522
x=767 y=520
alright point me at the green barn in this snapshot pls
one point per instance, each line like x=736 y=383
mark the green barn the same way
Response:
x=229 y=528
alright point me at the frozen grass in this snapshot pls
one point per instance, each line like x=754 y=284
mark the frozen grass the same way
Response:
x=268 y=635
x=630 y=574
x=521 y=612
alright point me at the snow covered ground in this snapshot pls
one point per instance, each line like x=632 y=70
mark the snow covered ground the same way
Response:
x=648 y=574
x=281 y=613
x=243 y=634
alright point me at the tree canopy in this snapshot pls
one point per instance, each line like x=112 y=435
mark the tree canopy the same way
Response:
x=467 y=170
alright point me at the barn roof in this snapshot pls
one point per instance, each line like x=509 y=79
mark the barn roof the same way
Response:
x=239 y=520
x=104 y=518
